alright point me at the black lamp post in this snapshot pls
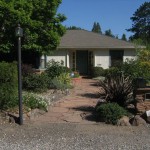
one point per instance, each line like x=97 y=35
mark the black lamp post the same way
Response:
x=19 y=34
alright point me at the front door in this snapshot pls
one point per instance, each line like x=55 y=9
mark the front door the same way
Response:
x=82 y=62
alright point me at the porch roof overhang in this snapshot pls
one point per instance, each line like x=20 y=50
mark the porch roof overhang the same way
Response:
x=82 y=39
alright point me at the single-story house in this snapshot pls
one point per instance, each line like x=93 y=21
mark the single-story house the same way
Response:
x=81 y=49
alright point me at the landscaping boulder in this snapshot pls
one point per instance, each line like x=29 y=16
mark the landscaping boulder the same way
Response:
x=138 y=121
x=124 y=121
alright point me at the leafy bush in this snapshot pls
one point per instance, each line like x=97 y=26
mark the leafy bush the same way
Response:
x=111 y=112
x=63 y=81
x=97 y=71
x=33 y=101
x=136 y=69
x=55 y=68
x=36 y=82
x=112 y=72
x=8 y=85
x=26 y=70
x=117 y=89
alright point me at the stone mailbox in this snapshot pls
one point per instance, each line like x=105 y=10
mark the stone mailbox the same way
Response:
x=142 y=97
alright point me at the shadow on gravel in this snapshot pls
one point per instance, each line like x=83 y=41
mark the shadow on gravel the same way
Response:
x=89 y=95
x=94 y=84
x=88 y=113
x=84 y=108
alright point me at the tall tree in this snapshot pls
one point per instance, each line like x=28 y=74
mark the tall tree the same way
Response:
x=73 y=28
x=96 y=28
x=123 y=37
x=141 y=23
x=109 y=33
x=39 y=20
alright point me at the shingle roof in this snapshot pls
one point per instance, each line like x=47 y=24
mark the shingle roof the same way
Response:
x=82 y=39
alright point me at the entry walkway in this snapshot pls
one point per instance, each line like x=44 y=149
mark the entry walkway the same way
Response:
x=77 y=107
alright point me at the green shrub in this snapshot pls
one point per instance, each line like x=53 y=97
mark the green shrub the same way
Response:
x=33 y=101
x=111 y=112
x=63 y=81
x=112 y=72
x=55 y=68
x=36 y=82
x=8 y=85
x=97 y=71
x=26 y=70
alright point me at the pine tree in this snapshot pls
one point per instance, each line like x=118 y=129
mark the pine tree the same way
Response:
x=124 y=37
x=141 y=23
x=96 y=28
x=109 y=33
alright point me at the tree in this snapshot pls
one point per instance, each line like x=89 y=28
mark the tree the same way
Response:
x=96 y=28
x=123 y=37
x=39 y=20
x=116 y=37
x=109 y=33
x=141 y=23
x=73 y=28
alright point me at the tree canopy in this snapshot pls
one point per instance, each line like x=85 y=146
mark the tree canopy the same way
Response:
x=141 y=23
x=109 y=33
x=96 y=28
x=40 y=22
x=123 y=37
x=74 y=28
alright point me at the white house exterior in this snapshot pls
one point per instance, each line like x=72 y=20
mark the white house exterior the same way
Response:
x=81 y=49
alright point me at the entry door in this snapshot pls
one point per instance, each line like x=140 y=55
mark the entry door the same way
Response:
x=82 y=61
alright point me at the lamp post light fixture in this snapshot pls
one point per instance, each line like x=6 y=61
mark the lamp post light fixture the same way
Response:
x=19 y=34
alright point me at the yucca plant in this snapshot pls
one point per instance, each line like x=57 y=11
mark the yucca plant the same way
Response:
x=117 y=89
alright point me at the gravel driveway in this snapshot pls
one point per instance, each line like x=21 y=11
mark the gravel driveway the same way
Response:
x=67 y=136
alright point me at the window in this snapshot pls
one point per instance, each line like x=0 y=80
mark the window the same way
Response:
x=116 y=57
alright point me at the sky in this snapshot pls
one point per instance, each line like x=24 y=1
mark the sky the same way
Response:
x=111 y=14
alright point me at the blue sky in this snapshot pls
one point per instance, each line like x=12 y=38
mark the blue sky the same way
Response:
x=111 y=14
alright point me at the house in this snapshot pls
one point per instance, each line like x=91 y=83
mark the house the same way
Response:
x=81 y=49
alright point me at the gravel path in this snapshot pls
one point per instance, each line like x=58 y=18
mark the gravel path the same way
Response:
x=73 y=137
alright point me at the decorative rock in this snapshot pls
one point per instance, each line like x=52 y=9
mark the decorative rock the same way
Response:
x=124 y=121
x=11 y=120
x=131 y=106
x=148 y=119
x=137 y=121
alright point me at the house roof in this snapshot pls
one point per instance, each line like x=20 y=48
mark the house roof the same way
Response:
x=82 y=39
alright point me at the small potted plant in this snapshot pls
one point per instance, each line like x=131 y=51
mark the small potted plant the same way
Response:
x=75 y=77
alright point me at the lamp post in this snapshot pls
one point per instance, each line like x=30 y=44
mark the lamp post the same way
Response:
x=19 y=34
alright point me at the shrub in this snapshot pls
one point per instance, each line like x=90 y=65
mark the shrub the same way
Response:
x=55 y=68
x=36 y=82
x=97 y=71
x=117 y=89
x=8 y=85
x=26 y=70
x=33 y=101
x=112 y=72
x=111 y=112
x=63 y=81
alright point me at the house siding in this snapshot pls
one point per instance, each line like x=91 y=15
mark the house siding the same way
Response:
x=129 y=54
x=101 y=58
x=60 y=55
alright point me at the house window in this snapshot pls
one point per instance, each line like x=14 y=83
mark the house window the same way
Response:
x=116 y=57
